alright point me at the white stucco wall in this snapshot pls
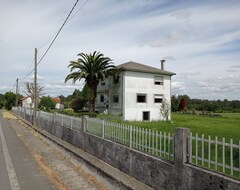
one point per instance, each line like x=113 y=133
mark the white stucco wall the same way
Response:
x=143 y=83
x=27 y=102
x=130 y=84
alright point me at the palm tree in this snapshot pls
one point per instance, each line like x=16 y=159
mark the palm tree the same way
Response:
x=93 y=68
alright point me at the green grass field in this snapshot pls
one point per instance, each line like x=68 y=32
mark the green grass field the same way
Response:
x=227 y=126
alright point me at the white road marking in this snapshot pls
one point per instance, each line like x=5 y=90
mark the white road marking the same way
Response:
x=10 y=169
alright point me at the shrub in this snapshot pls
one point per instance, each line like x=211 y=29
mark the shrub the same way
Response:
x=77 y=104
x=9 y=100
x=46 y=103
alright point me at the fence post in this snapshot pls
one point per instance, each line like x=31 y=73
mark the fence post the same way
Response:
x=71 y=121
x=39 y=115
x=54 y=118
x=24 y=113
x=103 y=129
x=181 y=156
x=84 y=123
x=181 y=146
x=130 y=136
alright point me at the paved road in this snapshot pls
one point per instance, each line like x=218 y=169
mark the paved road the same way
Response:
x=18 y=168
x=29 y=161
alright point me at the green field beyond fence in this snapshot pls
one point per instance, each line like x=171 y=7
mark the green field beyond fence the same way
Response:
x=227 y=126
x=209 y=133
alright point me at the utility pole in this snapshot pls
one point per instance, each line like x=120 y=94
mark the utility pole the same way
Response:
x=16 y=103
x=35 y=90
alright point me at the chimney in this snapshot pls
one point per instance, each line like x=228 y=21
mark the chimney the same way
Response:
x=162 y=63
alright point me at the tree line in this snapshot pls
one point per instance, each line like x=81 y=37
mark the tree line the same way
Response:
x=185 y=103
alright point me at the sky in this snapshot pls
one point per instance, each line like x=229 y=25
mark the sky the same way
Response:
x=200 y=41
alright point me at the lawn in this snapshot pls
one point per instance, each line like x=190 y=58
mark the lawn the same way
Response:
x=228 y=125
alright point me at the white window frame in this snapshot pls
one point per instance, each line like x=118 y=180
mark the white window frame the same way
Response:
x=158 y=96
x=158 y=80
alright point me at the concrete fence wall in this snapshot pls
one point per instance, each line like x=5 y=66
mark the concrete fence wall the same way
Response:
x=155 y=172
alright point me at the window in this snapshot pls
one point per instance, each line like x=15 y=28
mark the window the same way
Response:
x=158 y=98
x=158 y=80
x=102 y=98
x=146 y=116
x=141 y=98
x=115 y=98
x=115 y=79
x=103 y=83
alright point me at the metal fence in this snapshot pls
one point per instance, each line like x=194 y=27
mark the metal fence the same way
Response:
x=145 y=140
x=58 y=119
x=215 y=154
x=212 y=153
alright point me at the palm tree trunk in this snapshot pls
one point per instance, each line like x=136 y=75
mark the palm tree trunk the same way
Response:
x=92 y=97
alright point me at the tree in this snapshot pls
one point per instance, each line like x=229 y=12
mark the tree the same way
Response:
x=1 y=101
x=165 y=110
x=93 y=68
x=46 y=103
x=31 y=91
x=77 y=104
x=182 y=104
x=174 y=103
x=10 y=99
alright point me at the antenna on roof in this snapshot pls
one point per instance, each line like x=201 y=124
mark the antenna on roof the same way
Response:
x=162 y=63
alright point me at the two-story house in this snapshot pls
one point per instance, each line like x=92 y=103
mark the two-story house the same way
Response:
x=137 y=93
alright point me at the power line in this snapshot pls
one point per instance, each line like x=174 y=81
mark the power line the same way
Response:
x=13 y=86
x=65 y=24
x=57 y=33
x=78 y=10
x=28 y=73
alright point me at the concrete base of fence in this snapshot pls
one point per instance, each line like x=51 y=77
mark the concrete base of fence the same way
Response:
x=152 y=171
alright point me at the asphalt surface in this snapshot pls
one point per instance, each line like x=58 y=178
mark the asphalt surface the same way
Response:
x=28 y=161
x=18 y=168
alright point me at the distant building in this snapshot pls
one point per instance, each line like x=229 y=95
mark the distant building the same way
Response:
x=58 y=105
x=137 y=93
x=26 y=102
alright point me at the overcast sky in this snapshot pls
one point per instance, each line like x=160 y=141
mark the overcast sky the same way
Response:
x=200 y=41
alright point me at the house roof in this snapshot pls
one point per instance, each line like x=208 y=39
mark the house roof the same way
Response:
x=24 y=98
x=138 y=67
x=56 y=100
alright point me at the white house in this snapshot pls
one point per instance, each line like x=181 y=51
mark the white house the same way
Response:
x=137 y=93
x=26 y=102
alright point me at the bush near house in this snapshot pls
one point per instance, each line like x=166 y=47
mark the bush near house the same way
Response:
x=77 y=103
x=70 y=112
x=46 y=103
